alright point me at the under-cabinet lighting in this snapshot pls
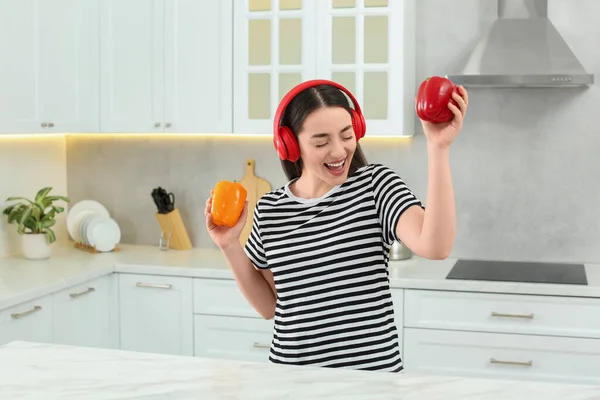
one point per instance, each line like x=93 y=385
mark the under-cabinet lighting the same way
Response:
x=152 y=135
x=28 y=136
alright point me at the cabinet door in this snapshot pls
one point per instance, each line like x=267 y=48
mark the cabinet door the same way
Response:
x=87 y=314
x=49 y=74
x=132 y=95
x=368 y=46
x=198 y=66
x=274 y=50
x=156 y=314
x=30 y=322
x=68 y=59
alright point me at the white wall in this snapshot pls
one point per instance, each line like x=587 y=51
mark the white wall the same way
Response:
x=28 y=164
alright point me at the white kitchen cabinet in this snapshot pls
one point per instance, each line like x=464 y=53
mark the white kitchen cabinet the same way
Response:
x=166 y=66
x=156 y=314
x=366 y=45
x=87 y=314
x=504 y=356
x=502 y=313
x=231 y=301
x=49 y=73
x=226 y=325
x=234 y=338
x=498 y=335
x=369 y=47
x=30 y=321
x=274 y=49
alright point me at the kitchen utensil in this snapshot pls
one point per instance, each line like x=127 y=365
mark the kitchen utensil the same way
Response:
x=256 y=187
x=165 y=202
x=399 y=251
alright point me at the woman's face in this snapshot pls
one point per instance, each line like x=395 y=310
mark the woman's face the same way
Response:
x=327 y=144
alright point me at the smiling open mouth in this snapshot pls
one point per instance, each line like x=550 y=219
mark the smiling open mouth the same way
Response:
x=336 y=167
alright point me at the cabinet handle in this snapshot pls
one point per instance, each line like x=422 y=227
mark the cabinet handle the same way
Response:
x=526 y=364
x=76 y=295
x=51 y=125
x=152 y=285
x=527 y=316
x=168 y=124
x=261 y=346
x=157 y=124
x=44 y=124
x=25 y=313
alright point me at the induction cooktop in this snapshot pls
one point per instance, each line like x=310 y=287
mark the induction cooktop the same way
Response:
x=518 y=271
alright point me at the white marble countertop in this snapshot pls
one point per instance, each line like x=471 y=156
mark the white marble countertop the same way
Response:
x=40 y=371
x=23 y=280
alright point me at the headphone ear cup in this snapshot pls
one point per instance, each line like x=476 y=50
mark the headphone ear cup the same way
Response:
x=358 y=124
x=279 y=145
x=289 y=147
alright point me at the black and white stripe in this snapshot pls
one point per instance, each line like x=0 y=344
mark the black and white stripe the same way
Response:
x=329 y=260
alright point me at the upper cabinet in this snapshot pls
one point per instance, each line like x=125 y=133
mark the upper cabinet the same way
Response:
x=207 y=66
x=49 y=66
x=166 y=66
x=274 y=50
x=366 y=45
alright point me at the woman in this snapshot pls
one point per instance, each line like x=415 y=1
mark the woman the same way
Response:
x=317 y=256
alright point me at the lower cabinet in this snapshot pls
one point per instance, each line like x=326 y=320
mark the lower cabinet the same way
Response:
x=501 y=355
x=234 y=338
x=87 y=314
x=225 y=324
x=156 y=314
x=508 y=336
x=546 y=338
x=30 y=322
x=83 y=315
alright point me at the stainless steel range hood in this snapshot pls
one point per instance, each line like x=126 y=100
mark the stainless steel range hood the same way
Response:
x=522 y=49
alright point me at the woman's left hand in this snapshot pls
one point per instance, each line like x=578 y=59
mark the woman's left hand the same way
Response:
x=443 y=134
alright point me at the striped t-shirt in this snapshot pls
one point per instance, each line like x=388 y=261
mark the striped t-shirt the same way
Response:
x=329 y=259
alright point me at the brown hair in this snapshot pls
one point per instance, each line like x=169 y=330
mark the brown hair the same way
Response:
x=300 y=107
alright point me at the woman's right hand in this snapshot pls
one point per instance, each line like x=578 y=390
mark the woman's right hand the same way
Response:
x=224 y=236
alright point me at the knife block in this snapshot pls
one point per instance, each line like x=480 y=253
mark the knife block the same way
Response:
x=172 y=223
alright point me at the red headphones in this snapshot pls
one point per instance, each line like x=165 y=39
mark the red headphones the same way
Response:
x=283 y=138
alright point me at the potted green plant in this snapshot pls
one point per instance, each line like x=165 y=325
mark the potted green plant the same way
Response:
x=35 y=219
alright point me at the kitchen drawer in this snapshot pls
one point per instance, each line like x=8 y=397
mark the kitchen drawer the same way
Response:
x=221 y=297
x=232 y=338
x=504 y=356
x=504 y=313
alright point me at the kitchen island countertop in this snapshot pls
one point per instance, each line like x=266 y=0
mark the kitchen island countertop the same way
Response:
x=41 y=371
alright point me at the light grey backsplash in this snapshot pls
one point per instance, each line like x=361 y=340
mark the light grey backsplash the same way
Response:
x=526 y=166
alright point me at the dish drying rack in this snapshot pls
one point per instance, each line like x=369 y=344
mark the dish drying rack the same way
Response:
x=92 y=249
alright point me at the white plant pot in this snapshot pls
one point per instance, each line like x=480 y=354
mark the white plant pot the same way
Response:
x=35 y=246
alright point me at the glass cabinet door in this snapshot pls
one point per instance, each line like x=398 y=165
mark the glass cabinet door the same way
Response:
x=368 y=46
x=274 y=50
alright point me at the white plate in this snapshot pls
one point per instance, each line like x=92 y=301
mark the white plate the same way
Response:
x=103 y=233
x=80 y=210
x=83 y=224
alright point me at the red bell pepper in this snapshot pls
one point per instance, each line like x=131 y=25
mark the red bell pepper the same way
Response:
x=433 y=97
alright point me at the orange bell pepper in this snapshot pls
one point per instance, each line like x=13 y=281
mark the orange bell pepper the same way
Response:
x=228 y=202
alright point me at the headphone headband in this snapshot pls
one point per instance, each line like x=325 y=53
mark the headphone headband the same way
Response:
x=299 y=88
